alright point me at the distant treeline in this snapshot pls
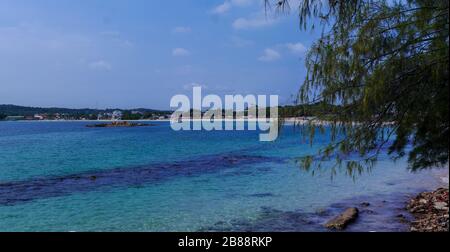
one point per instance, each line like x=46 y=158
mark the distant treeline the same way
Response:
x=283 y=111
x=306 y=110
x=290 y=111
x=13 y=110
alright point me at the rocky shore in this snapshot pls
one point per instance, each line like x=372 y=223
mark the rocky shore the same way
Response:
x=426 y=212
x=430 y=210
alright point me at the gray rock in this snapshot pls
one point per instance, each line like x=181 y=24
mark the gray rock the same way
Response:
x=441 y=206
x=423 y=201
x=341 y=221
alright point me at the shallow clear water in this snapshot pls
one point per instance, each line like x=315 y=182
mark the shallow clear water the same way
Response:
x=63 y=176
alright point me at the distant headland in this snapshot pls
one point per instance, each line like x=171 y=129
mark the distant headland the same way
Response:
x=14 y=112
x=10 y=112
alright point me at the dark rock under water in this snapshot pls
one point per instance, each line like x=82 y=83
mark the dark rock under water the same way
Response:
x=16 y=192
x=341 y=221
x=384 y=213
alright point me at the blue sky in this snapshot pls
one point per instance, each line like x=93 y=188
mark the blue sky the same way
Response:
x=139 y=53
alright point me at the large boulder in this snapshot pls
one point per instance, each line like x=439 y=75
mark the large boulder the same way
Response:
x=341 y=221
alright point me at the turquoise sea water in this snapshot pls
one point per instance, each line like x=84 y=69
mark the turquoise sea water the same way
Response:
x=63 y=176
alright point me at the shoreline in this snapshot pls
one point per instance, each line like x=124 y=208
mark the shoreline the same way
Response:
x=430 y=208
x=430 y=211
x=287 y=121
x=424 y=210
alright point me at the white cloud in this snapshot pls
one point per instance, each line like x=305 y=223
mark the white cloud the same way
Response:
x=222 y=8
x=229 y=4
x=100 y=65
x=242 y=3
x=257 y=21
x=178 y=52
x=182 y=29
x=270 y=55
x=296 y=48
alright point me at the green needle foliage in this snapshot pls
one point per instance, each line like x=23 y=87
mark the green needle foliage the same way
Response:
x=384 y=65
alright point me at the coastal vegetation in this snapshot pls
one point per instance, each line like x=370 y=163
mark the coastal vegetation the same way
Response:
x=37 y=113
x=384 y=66
x=288 y=111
